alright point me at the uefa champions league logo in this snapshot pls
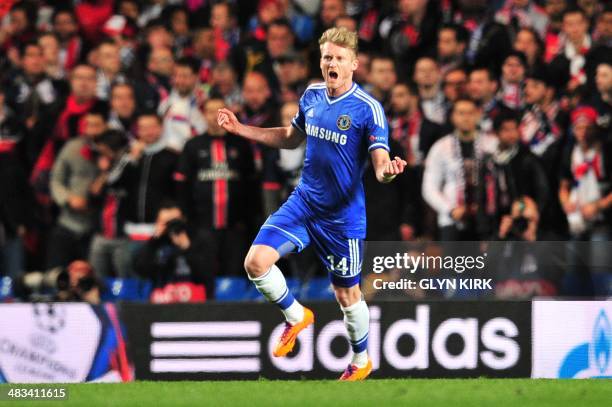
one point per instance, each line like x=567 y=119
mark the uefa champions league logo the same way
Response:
x=591 y=359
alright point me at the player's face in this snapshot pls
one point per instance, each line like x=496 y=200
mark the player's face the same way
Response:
x=337 y=66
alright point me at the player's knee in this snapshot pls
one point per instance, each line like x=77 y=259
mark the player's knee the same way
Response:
x=255 y=266
x=347 y=296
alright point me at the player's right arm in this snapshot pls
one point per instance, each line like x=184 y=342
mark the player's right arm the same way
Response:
x=277 y=137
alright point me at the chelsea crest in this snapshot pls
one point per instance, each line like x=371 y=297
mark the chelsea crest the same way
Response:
x=344 y=122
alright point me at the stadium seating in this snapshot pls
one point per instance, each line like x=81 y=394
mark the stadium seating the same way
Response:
x=317 y=289
x=231 y=288
x=6 y=288
x=126 y=289
x=226 y=289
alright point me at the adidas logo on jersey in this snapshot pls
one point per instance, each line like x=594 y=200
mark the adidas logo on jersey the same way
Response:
x=310 y=113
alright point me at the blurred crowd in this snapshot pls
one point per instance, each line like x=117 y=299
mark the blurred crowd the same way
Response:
x=111 y=156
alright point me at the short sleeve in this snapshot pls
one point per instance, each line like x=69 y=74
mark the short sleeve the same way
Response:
x=376 y=127
x=299 y=120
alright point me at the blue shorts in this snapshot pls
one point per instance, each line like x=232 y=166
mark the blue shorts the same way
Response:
x=293 y=227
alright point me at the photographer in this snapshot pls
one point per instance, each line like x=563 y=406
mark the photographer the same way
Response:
x=76 y=282
x=514 y=192
x=173 y=262
x=514 y=189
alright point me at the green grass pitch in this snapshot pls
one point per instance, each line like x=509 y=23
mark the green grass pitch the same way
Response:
x=379 y=393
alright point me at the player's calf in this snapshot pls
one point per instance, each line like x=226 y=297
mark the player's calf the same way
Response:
x=357 y=322
x=271 y=284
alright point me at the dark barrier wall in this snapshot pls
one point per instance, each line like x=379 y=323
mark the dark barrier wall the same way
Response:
x=234 y=341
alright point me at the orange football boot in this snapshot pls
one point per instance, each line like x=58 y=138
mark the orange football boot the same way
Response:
x=287 y=340
x=354 y=373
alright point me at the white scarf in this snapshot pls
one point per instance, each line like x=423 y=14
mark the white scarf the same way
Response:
x=586 y=189
x=577 y=59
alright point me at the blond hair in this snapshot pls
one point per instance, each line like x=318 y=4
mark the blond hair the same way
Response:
x=340 y=37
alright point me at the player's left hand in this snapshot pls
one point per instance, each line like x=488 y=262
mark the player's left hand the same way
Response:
x=393 y=168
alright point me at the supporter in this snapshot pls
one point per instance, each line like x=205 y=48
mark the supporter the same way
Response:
x=511 y=82
x=109 y=252
x=543 y=127
x=157 y=35
x=50 y=46
x=602 y=100
x=255 y=55
x=173 y=262
x=224 y=84
x=428 y=80
x=72 y=174
x=363 y=67
x=454 y=85
x=330 y=10
x=397 y=201
x=71 y=46
x=586 y=197
x=15 y=199
x=215 y=186
x=520 y=14
x=204 y=52
x=347 y=22
x=81 y=100
x=585 y=191
x=513 y=188
x=177 y=19
x=381 y=79
x=180 y=110
x=573 y=65
x=108 y=63
x=452 y=41
x=145 y=172
x=409 y=33
x=482 y=87
x=408 y=126
x=553 y=40
x=20 y=29
x=292 y=73
x=160 y=66
x=122 y=114
x=282 y=170
x=91 y=16
x=225 y=29
x=33 y=98
x=261 y=110
x=450 y=180
x=529 y=43
x=489 y=41
x=603 y=29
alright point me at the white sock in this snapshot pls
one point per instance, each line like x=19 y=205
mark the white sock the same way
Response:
x=357 y=322
x=273 y=287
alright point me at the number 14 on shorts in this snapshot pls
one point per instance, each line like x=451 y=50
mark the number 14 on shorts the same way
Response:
x=341 y=266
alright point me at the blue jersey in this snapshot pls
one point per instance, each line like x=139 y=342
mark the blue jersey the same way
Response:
x=340 y=133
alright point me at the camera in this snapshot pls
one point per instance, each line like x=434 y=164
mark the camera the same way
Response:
x=519 y=226
x=176 y=226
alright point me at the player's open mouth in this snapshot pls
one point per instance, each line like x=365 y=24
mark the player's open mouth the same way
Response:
x=333 y=75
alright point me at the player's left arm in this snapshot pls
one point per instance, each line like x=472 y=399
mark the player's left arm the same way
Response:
x=385 y=168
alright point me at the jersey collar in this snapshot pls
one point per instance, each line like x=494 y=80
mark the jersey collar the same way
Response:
x=339 y=98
